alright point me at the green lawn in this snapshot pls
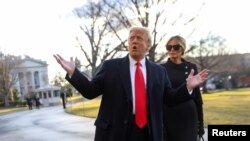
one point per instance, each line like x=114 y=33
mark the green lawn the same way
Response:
x=4 y=110
x=88 y=109
x=227 y=107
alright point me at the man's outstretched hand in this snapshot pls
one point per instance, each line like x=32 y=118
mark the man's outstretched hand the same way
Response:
x=68 y=66
x=196 y=80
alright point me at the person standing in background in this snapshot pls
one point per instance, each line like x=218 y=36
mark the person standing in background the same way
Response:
x=63 y=97
x=37 y=102
x=29 y=102
x=183 y=117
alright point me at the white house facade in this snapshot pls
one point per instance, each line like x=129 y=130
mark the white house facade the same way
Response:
x=31 y=79
x=49 y=95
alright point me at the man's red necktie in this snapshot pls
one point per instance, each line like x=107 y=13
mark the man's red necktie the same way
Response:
x=140 y=98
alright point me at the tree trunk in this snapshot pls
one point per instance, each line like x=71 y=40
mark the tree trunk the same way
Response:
x=6 y=101
x=205 y=90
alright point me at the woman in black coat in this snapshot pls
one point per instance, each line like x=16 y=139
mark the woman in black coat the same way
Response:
x=182 y=122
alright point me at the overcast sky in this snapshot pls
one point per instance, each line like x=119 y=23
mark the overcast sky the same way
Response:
x=40 y=28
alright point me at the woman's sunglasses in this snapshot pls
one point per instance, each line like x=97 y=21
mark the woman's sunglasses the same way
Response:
x=175 y=47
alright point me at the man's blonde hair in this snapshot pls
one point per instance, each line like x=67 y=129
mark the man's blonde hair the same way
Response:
x=145 y=31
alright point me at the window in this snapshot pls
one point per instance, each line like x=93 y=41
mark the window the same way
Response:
x=49 y=94
x=45 y=95
x=56 y=93
x=36 y=79
x=40 y=95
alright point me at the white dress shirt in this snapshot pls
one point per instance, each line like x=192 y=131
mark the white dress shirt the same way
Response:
x=132 y=66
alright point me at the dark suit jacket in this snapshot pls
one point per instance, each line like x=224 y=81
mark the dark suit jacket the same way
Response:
x=114 y=84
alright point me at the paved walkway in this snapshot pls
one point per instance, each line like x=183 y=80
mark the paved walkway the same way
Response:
x=46 y=124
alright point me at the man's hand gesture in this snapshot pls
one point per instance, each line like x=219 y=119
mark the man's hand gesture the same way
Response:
x=68 y=66
x=196 y=80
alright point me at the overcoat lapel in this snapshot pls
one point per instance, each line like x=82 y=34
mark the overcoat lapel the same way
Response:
x=125 y=77
x=149 y=79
